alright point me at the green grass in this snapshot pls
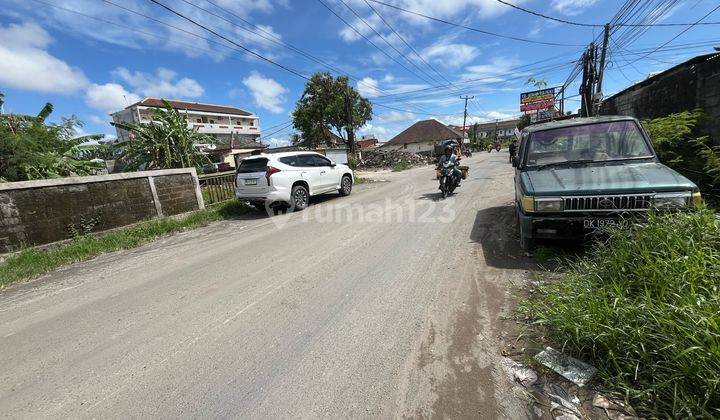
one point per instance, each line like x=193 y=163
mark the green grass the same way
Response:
x=401 y=166
x=644 y=308
x=360 y=180
x=33 y=262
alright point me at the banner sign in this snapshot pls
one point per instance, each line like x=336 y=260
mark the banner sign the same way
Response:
x=538 y=99
x=546 y=104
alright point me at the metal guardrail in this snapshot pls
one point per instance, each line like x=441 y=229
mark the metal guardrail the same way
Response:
x=217 y=187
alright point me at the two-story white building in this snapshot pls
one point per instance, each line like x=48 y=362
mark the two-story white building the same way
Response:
x=235 y=130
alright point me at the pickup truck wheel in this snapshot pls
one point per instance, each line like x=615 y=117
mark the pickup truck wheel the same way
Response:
x=345 y=185
x=526 y=243
x=299 y=198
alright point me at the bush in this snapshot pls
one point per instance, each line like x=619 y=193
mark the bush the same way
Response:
x=401 y=166
x=644 y=307
x=680 y=143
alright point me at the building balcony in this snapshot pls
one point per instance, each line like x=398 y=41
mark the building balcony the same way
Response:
x=206 y=128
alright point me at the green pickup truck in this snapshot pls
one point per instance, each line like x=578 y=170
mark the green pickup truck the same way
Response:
x=576 y=176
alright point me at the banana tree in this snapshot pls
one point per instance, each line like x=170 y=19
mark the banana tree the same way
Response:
x=166 y=142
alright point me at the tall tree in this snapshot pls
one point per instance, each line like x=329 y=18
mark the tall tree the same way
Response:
x=165 y=143
x=324 y=106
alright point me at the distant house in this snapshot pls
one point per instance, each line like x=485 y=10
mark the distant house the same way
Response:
x=422 y=137
x=366 y=143
x=235 y=131
x=500 y=130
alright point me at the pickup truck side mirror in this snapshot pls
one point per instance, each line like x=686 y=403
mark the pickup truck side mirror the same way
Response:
x=333 y=164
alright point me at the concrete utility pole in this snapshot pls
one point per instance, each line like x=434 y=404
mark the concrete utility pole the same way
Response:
x=588 y=81
x=601 y=70
x=462 y=141
x=350 y=130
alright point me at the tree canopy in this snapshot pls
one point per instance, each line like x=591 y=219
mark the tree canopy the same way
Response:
x=323 y=106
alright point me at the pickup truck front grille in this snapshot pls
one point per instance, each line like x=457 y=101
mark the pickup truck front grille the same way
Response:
x=629 y=202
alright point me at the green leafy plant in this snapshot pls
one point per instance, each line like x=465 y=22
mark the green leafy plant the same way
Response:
x=32 y=149
x=644 y=308
x=165 y=143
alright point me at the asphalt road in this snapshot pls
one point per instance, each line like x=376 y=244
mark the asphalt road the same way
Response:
x=387 y=303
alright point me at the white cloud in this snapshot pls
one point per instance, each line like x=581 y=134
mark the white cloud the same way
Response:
x=368 y=87
x=267 y=93
x=247 y=6
x=492 y=72
x=278 y=142
x=395 y=116
x=448 y=53
x=571 y=7
x=161 y=84
x=145 y=34
x=109 y=97
x=25 y=63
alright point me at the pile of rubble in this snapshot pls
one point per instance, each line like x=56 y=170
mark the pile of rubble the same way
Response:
x=371 y=159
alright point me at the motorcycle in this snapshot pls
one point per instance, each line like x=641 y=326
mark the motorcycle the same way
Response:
x=449 y=179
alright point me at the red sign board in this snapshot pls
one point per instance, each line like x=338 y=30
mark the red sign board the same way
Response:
x=545 y=104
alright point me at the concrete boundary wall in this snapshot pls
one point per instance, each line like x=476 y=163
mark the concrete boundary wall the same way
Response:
x=49 y=210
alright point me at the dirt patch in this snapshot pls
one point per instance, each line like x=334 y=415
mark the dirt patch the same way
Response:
x=468 y=391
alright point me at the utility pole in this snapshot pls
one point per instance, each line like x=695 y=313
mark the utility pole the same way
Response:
x=588 y=81
x=462 y=141
x=350 y=130
x=601 y=70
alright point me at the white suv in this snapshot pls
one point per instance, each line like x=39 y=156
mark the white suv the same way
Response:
x=290 y=178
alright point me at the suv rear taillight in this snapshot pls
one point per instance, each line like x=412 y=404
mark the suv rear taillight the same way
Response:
x=270 y=170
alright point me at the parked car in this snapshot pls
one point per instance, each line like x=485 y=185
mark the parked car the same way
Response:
x=575 y=176
x=290 y=178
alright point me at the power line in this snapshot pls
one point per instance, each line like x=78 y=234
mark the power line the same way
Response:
x=247 y=50
x=368 y=40
x=474 y=29
x=675 y=37
x=595 y=25
x=569 y=22
x=404 y=41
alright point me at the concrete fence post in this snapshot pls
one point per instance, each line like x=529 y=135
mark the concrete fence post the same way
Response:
x=198 y=192
x=156 y=199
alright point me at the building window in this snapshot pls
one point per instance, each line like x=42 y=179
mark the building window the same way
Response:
x=212 y=121
x=252 y=123
x=199 y=120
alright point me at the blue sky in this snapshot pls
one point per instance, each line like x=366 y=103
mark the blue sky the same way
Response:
x=90 y=68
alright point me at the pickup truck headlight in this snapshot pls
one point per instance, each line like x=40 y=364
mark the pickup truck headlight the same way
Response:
x=549 y=204
x=671 y=200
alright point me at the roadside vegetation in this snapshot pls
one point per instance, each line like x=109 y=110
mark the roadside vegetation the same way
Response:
x=644 y=308
x=401 y=166
x=32 y=262
x=681 y=143
x=31 y=148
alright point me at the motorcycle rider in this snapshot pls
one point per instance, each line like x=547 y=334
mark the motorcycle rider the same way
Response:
x=449 y=156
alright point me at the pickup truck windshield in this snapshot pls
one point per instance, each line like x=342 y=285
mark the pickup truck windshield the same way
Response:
x=599 y=142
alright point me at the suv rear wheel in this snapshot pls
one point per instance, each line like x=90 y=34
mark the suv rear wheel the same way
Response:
x=345 y=185
x=299 y=198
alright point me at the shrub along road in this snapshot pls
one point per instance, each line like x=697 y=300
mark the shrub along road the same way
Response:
x=314 y=314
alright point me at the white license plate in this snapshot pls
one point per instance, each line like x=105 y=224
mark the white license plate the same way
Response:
x=592 y=224
x=252 y=181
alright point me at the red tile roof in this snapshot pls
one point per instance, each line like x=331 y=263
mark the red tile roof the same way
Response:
x=191 y=106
